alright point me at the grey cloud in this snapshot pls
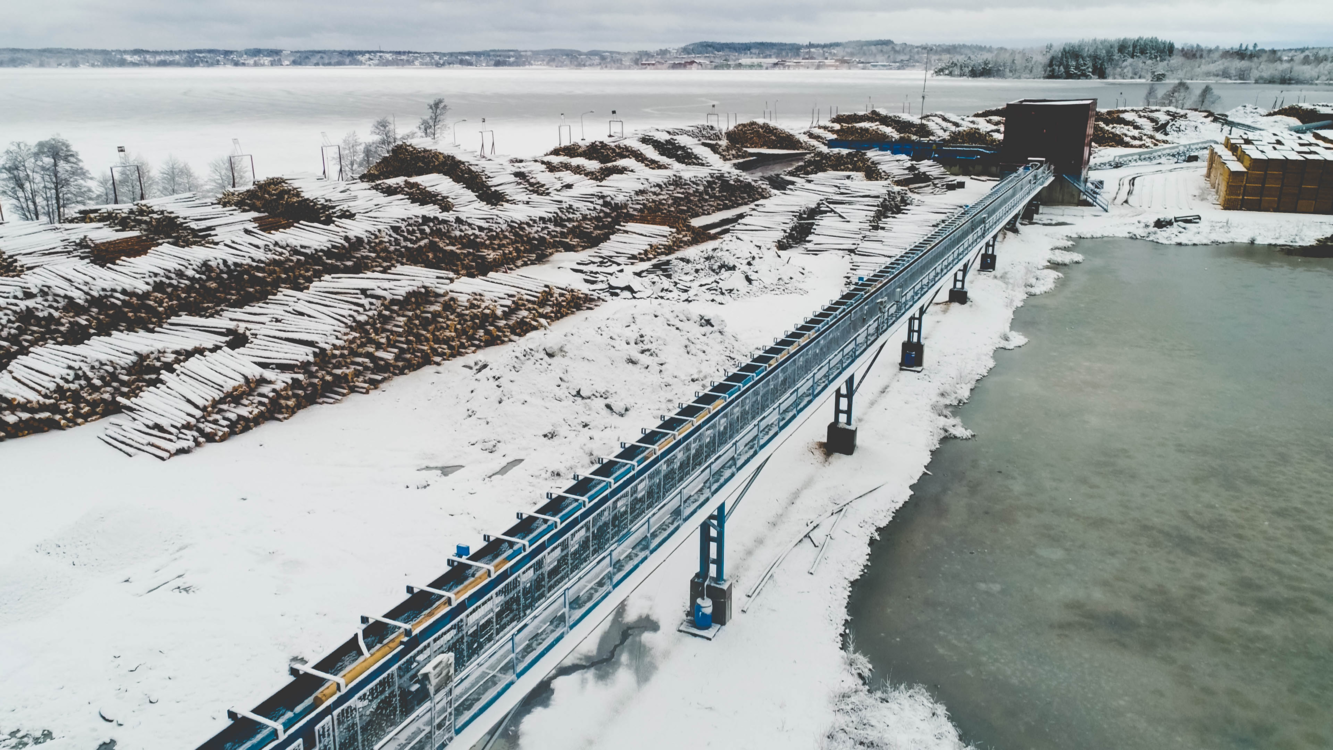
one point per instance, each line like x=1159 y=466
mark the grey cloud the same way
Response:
x=624 y=24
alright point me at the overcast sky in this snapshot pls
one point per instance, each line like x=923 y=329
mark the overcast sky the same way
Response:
x=454 y=25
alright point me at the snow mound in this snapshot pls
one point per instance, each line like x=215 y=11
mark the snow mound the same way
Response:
x=1042 y=281
x=733 y=269
x=1064 y=258
x=1012 y=340
x=888 y=718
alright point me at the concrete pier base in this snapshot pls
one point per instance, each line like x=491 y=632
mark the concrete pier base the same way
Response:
x=841 y=439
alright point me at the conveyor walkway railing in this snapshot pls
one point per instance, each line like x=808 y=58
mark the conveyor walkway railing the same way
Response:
x=502 y=628
x=1092 y=195
x=1178 y=151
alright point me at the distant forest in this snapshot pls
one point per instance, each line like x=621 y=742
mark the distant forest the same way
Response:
x=1148 y=59
x=1138 y=58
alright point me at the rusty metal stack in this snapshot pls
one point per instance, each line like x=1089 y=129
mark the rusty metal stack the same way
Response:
x=1287 y=172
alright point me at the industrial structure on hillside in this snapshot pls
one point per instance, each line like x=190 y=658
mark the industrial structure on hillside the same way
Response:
x=1059 y=131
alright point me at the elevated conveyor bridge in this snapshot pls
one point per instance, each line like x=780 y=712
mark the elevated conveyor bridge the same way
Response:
x=460 y=651
x=1174 y=152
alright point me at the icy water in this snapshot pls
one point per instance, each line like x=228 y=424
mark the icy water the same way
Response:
x=1136 y=550
x=278 y=114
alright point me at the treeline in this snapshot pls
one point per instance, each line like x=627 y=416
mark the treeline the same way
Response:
x=1147 y=59
x=195 y=58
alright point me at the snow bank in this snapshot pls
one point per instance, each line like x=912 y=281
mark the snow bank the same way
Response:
x=887 y=717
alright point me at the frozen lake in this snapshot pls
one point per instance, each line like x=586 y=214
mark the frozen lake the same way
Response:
x=279 y=113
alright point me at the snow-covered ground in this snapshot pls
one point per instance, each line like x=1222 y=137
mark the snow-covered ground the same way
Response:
x=140 y=599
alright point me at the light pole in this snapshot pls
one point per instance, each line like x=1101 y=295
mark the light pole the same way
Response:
x=582 y=136
x=456 y=130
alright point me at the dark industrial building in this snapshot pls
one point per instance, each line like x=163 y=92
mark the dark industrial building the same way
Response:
x=1057 y=130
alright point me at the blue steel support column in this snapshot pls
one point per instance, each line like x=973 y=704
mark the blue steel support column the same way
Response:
x=721 y=523
x=713 y=569
x=705 y=551
x=711 y=582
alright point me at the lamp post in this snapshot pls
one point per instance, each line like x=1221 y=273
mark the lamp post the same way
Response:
x=582 y=136
x=456 y=130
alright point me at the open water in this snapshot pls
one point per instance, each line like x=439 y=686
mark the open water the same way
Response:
x=1136 y=550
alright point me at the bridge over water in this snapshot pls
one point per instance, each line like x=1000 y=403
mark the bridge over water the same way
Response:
x=460 y=651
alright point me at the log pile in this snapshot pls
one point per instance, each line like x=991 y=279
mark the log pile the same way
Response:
x=626 y=247
x=62 y=386
x=917 y=176
x=579 y=225
x=346 y=333
x=150 y=222
x=79 y=340
x=415 y=192
x=406 y=160
x=708 y=140
x=838 y=161
x=725 y=150
x=906 y=127
x=72 y=301
x=763 y=135
x=596 y=173
x=29 y=244
x=674 y=150
x=683 y=234
x=9 y=267
x=606 y=152
x=285 y=205
x=971 y=137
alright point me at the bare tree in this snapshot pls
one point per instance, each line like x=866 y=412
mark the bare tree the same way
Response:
x=63 y=176
x=219 y=177
x=1207 y=99
x=104 y=191
x=176 y=177
x=383 y=137
x=1176 y=96
x=436 y=112
x=146 y=173
x=19 y=180
x=353 y=155
x=1150 y=98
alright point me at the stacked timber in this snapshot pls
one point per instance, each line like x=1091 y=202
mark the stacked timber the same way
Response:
x=345 y=333
x=1227 y=176
x=1273 y=171
x=72 y=301
x=629 y=245
x=917 y=176
x=263 y=315
x=62 y=386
